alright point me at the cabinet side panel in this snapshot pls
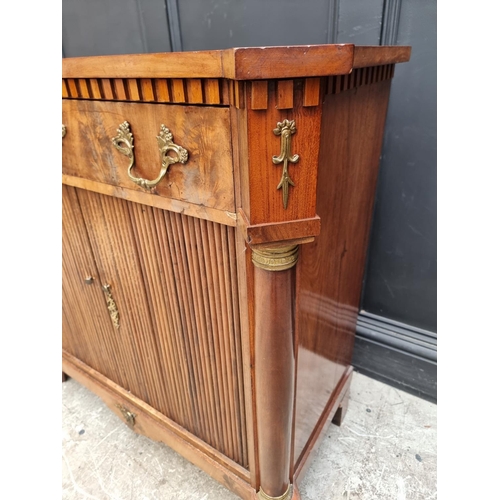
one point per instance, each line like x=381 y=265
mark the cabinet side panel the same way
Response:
x=331 y=268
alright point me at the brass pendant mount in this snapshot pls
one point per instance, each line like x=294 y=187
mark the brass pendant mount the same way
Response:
x=124 y=143
x=285 y=129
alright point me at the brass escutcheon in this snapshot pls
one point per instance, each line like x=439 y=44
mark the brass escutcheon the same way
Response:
x=113 y=310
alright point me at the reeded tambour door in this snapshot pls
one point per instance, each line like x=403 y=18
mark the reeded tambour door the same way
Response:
x=87 y=330
x=172 y=280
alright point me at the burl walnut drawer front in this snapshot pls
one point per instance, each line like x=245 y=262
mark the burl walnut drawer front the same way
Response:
x=204 y=178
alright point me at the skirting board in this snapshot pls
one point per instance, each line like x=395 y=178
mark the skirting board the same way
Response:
x=397 y=354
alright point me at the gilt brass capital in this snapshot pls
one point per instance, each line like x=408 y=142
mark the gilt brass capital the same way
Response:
x=275 y=259
x=286 y=496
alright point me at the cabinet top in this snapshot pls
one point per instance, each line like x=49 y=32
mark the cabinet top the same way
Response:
x=251 y=63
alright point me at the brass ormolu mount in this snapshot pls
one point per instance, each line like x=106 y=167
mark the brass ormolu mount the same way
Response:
x=127 y=415
x=285 y=129
x=275 y=259
x=286 y=496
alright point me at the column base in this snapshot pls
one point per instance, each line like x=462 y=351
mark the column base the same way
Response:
x=286 y=496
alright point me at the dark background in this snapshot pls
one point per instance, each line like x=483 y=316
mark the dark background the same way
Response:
x=396 y=339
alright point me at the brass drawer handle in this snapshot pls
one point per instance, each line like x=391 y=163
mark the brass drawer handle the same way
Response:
x=124 y=143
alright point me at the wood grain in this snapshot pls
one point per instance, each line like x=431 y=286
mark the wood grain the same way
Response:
x=263 y=63
x=332 y=267
x=262 y=176
x=207 y=177
x=359 y=77
x=238 y=64
x=191 y=209
x=65 y=92
x=259 y=94
x=376 y=55
x=279 y=232
x=285 y=94
x=212 y=91
x=132 y=89
x=73 y=90
x=147 y=90
x=180 y=90
x=312 y=91
x=162 y=90
x=107 y=89
x=84 y=91
x=253 y=63
x=274 y=376
x=194 y=91
x=205 y=64
x=239 y=94
x=85 y=316
x=119 y=89
x=95 y=89
x=313 y=440
x=174 y=341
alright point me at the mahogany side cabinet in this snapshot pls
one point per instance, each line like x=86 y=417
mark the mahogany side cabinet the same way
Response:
x=216 y=213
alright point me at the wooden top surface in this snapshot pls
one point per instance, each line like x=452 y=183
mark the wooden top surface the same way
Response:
x=252 y=63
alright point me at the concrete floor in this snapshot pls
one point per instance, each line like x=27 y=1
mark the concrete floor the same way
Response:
x=385 y=449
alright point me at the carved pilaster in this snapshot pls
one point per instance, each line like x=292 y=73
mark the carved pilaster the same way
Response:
x=274 y=280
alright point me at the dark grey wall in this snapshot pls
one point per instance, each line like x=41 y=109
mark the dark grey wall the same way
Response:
x=400 y=279
x=104 y=27
x=401 y=271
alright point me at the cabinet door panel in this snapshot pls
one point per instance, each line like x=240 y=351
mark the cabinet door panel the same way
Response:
x=174 y=282
x=87 y=330
x=112 y=241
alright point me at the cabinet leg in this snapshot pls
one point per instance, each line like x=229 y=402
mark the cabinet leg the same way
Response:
x=339 y=416
x=64 y=377
x=274 y=280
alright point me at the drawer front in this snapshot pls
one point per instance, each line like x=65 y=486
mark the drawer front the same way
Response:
x=205 y=180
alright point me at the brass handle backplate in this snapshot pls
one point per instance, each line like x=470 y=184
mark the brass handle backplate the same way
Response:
x=285 y=129
x=124 y=143
x=113 y=310
x=127 y=415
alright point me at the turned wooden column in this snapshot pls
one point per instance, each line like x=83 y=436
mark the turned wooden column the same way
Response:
x=274 y=280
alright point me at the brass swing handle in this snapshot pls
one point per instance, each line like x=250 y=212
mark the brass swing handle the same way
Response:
x=124 y=143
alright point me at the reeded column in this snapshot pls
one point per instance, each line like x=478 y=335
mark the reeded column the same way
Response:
x=274 y=280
